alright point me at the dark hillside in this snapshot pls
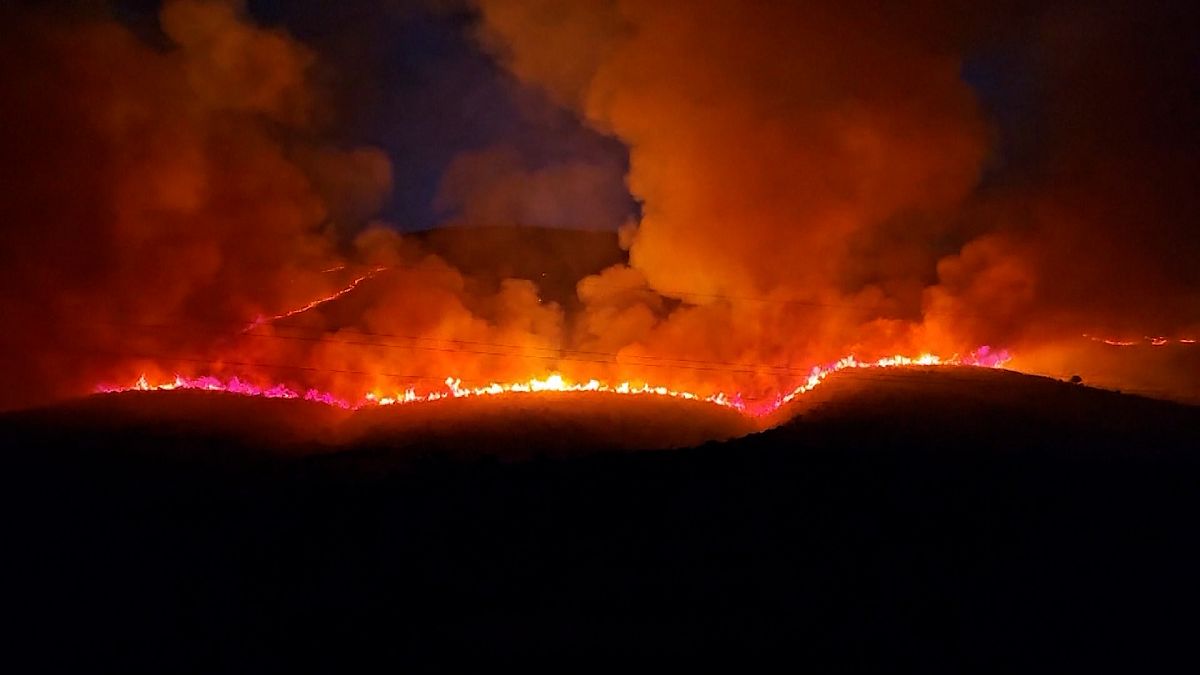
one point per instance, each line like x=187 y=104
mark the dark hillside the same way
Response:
x=903 y=522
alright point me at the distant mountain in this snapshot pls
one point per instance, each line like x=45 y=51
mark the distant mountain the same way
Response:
x=553 y=259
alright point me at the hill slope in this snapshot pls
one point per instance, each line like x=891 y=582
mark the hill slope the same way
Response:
x=923 y=520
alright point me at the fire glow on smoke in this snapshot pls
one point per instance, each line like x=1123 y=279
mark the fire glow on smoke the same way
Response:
x=195 y=198
x=983 y=357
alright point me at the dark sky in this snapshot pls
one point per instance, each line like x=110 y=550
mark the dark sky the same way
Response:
x=409 y=78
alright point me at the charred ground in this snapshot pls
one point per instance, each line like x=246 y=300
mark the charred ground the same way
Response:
x=955 y=521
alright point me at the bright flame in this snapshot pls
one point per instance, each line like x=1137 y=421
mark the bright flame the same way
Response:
x=983 y=357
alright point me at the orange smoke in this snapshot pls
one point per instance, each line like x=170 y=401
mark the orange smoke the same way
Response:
x=809 y=180
x=812 y=174
x=792 y=163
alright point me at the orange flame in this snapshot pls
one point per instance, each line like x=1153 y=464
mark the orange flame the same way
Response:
x=983 y=357
x=319 y=301
x=1153 y=341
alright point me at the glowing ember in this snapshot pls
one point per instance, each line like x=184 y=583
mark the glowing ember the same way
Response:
x=319 y=301
x=983 y=357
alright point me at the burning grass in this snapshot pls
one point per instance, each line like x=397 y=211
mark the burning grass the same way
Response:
x=556 y=383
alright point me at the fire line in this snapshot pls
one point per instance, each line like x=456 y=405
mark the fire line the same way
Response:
x=315 y=303
x=983 y=357
x=1153 y=341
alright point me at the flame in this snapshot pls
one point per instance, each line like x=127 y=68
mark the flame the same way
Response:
x=1153 y=341
x=319 y=301
x=984 y=357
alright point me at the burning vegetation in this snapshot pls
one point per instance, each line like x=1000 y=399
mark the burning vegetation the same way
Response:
x=983 y=357
x=811 y=184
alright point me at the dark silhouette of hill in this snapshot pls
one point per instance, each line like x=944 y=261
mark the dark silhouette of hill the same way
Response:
x=226 y=428
x=949 y=521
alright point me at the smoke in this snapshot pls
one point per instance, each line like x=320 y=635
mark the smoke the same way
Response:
x=822 y=178
x=493 y=187
x=141 y=185
x=810 y=181
x=159 y=198
x=794 y=164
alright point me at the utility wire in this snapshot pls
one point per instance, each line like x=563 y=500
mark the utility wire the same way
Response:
x=614 y=358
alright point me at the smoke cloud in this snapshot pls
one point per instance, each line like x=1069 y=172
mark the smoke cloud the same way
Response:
x=802 y=182
x=161 y=201
x=822 y=178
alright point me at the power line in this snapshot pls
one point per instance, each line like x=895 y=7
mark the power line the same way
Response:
x=252 y=364
x=743 y=298
x=894 y=377
x=615 y=357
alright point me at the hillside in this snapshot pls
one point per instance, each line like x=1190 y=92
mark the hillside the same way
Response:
x=948 y=521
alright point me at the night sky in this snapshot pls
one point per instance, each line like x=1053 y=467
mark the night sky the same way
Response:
x=417 y=84
x=413 y=81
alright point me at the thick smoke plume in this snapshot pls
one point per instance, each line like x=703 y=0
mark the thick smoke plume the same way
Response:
x=819 y=177
x=161 y=200
x=813 y=181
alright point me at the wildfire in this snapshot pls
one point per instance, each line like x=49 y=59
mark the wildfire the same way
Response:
x=1153 y=341
x=982 y=357
x=319 y=301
